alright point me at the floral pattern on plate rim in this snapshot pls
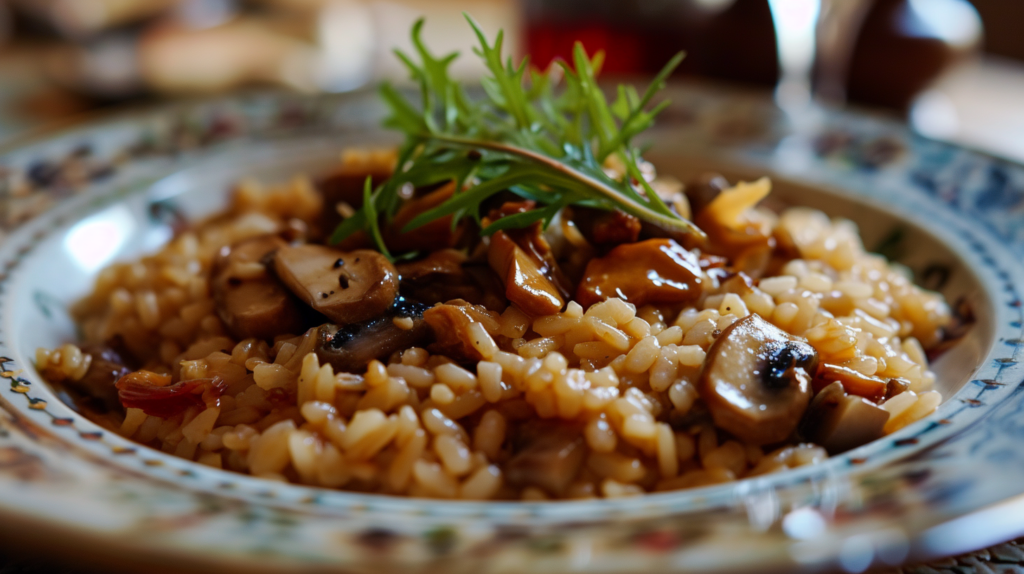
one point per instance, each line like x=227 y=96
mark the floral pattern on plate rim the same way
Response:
x=44 y=449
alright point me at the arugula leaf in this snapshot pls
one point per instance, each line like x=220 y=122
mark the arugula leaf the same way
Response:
x=522 y=136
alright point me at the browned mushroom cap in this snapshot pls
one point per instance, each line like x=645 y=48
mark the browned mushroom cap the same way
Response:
x=839 y=421
x=756 y=380
x=346 y=287
x=651 y=271
x=249 y=301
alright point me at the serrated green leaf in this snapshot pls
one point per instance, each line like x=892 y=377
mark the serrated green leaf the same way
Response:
x=523 y=136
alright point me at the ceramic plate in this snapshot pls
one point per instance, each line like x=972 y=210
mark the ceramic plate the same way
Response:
x=75 y=201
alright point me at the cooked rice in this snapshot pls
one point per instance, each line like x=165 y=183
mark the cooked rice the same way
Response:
x=422 y=425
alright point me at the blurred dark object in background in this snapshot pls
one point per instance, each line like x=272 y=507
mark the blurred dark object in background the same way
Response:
x=5 y=23
x=904 y=45
x=879 y=53
x=80 y=19
x=723 y=39
x=1003 y=20
x=76 y=54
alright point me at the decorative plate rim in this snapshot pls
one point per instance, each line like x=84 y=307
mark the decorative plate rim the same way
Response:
x=20 y=243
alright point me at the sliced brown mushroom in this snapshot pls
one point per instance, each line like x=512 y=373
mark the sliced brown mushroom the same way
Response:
x=547 y=455
x=704 y=189
x=651 y=271
x=525 y=282
x=450 y=323
x=345 y=185
x=442 y=263
x=854 y=382
x=756 y=380
x=438 y=234
x=894 y=387
x=839 y=421
x=445 y=275
x=606 y=229
x=351 y=347
x=95 y=391
x=525 y=263
x=346 y=287
x=251 y=302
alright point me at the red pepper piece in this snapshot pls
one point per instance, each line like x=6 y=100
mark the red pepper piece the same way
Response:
x=138 y=391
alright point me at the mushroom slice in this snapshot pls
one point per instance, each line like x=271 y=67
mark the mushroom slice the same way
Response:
x=892 y=388
x=251 y=302
x=756 y=380
x=346 y=287
x=524 y=261
x=854 y=383
x=345 y=185
x=651 y=271
x=351 y=347
x=703 y=190
x=840 y=422
x=606 y=228
x=438 y=234
x=95 y=391
x=445 y=275
x=547 y=454
x=526 y=285
x=450 y=323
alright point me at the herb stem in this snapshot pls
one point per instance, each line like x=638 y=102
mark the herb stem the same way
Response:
x=626 y=203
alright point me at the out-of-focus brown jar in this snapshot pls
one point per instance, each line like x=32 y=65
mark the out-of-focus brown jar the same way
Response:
x=903 y=45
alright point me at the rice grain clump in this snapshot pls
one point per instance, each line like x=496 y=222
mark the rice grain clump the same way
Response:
x=598 y=402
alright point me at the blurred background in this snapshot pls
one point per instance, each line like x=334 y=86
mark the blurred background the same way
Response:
x=953 y=68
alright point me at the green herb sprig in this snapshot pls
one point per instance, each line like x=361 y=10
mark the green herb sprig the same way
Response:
x=521 y=137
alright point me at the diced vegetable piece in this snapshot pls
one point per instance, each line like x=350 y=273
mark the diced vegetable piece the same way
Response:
x=152 y=393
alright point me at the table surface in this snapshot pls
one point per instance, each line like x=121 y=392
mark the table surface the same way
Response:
x=28 y=103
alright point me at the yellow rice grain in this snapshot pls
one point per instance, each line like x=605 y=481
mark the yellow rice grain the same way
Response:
x=482 y=484
x=489 y=435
